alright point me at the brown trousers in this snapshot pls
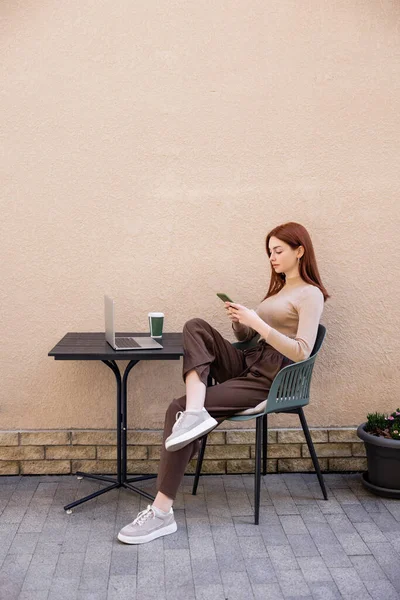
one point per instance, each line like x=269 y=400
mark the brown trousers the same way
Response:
x=244 y=378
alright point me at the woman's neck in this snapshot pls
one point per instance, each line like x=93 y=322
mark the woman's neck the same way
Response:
x=293 y=280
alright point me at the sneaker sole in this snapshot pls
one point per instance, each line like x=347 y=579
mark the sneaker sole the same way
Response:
x=129 y=539
x=185 y=439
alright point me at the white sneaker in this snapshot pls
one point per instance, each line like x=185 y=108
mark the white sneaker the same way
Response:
x=190 y=425
x=148 y=526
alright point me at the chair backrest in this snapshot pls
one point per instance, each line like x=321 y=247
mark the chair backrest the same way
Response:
x=319 y=339
x=291 y=386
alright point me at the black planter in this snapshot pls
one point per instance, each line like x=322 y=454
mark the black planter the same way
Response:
x=383 y=460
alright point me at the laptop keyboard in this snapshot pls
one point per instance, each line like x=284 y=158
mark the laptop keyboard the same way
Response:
x=126 y=342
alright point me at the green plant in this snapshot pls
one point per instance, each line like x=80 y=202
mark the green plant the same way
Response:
x=380 y=424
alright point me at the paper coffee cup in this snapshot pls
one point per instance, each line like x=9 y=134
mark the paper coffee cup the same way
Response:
x=156 y=323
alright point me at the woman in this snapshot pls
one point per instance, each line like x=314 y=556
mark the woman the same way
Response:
x=286 y=322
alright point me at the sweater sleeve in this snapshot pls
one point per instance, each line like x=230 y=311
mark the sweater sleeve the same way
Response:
x=309 y=309
x=245 y=333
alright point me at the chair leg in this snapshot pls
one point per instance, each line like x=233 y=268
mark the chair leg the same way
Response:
x=312 y=452
x=265 y=443
x=257 y=473
x=199 y=464
x=202 y=450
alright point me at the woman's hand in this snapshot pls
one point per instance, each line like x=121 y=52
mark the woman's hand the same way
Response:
x=240 y=314
x=230 y=312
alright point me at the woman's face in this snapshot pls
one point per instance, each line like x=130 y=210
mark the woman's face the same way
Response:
x=283 y=258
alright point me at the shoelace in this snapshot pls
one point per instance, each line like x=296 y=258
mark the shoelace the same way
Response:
x=144 y=515
x=178 y=421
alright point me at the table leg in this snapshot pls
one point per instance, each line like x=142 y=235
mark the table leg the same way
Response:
x=121 y=481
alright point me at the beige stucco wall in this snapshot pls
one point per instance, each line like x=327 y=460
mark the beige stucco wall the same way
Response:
x=148 y=148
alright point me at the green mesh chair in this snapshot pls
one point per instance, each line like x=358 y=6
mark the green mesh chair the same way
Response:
x=290 y=391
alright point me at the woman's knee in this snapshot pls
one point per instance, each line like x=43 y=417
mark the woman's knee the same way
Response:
x=194 y=323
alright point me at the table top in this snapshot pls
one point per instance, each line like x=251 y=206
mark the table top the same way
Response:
x=93 y=346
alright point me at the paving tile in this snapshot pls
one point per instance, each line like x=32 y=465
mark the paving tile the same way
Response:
x=227 y=549
x=48 y=549
x=94 y=577
x=293 y=584
x=12 y=574
x=314 y=569
x=386 y=521
x=206 y=592
x=287 y=507
x=349 y=583
x=273 y=535
x=345 y=496
x=75 y=540
x=334 y=555
x=98 y=552
x=124 y=561
x=394 y=539
x=370 y=532
x=91 y=595
x=201 y=547
x=352 y=544
x=283 y=558
x=69 y=565
x=325 y=590
x=260 y=570
x=253 y=547
x=269 y=516
x=293 y=524
x=237 y=586
x=393 y=507
x=31 y=595
x=13 y=514
x=321 y=533
x=208 y=571
x=177 y=568
x=356 y=513
x=372 y=505
x=239 y=504
x=312 y=514
x=64 y=588
x=330 y=506
x=383 y=552
x=24 y=543
x=122 y=587
x=340 y=523
x=368 y=568
x=296 y=597
x=267 y=591
x=185 y=592
x=335 y=480
x=381 y=590
x=245 y=526
x=153 y=552
x=303 y=545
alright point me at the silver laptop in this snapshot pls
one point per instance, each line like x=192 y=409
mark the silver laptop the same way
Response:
x=124 y=343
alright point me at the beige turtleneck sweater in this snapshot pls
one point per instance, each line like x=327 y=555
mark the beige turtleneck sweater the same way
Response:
x=293 y=315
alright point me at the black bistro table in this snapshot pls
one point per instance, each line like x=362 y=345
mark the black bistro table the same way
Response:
x=93 y=346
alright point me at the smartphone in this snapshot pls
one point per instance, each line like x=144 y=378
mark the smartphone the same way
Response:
x=224 y=297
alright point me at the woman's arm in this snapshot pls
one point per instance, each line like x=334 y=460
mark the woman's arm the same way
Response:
x=310 y=309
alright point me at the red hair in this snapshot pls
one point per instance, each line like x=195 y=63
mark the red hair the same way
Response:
x=295 y=235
